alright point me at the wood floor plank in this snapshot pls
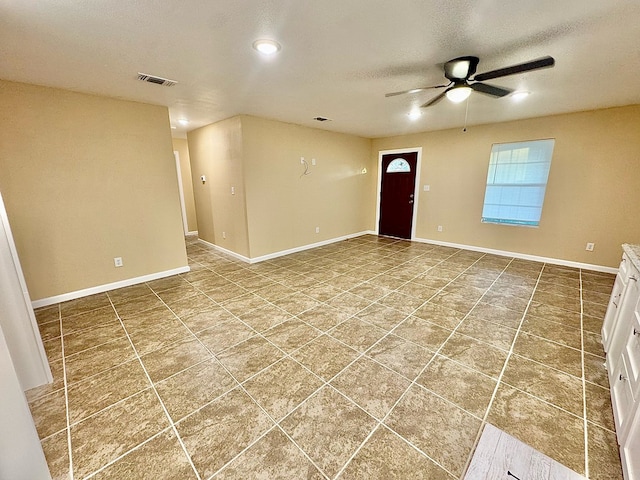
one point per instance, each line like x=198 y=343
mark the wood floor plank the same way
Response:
x=511 y=456
x=501 y=456
x=540 y=467
x=485 y=451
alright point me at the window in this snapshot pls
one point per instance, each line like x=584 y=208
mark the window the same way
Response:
x=398 y=165
x=516 y=182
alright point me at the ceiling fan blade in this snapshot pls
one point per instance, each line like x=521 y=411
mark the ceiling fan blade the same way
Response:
x=435 y=100
x=414 y=90
x=544 y=62
x=490 y=89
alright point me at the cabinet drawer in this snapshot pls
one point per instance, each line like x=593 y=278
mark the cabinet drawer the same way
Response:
x=611 y=315
x=622 y=397
x=632 y=353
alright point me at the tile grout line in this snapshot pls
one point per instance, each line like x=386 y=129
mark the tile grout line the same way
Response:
x=424 y=369
x=289 y=354
x=518 y=331
x=120 y=457
x=164 y=408
x=363 y=354
x=242 y=387
x=504 y=367
x=66 y=397
x=122 y=400
x=325 y=383
x=584 y=385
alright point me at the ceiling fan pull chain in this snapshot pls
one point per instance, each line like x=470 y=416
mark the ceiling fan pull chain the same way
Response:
x=466 y=111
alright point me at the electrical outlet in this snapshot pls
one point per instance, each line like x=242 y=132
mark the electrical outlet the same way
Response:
x=590 y=247
x=117 y=261
x=439 y=228
x=224 y=234
x=233 y=190
x=317 y=229
x=302 y=160
x=313 y=161
x=426 y=188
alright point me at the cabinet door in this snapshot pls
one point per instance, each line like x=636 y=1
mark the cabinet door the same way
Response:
x=622 y=398
x=626 y=314
x=612 y=311
x=630 y=448
x=631 y=352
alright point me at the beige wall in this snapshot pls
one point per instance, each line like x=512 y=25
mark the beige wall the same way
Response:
x=274 y=208
x=86 y=179
x=216 y=152
x=593 y=192
x=283 y=207
x=180 y=145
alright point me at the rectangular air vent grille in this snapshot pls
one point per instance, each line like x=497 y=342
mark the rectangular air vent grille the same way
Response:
x=157 y=80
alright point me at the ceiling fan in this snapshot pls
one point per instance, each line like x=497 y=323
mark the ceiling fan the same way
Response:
x=460 y=71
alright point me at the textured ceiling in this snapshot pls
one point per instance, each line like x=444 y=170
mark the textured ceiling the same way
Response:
x=338 y=57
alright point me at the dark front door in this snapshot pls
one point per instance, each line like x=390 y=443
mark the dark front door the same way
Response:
x=396 y=194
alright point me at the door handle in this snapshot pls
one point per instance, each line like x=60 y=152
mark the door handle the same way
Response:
x=410 y=201
x=411 y=196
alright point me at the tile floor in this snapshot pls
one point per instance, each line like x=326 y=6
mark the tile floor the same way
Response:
x=369 y=358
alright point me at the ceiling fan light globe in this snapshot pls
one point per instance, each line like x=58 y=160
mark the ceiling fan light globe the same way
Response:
x=459 y=94
x=461 y=69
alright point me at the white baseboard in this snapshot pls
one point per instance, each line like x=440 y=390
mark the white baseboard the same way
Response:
x=192 y=233
x=502 y=253
x=282 y=253
x=522 y=256
x=43 y=302
x=289 y=251
x=224 y=250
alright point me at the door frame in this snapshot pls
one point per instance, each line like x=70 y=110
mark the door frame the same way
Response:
x=416 y=187
x=183 y=207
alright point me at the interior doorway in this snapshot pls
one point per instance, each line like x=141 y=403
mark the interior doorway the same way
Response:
x=397 y=192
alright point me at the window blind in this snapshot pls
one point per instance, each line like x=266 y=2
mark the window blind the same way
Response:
x=516 y=182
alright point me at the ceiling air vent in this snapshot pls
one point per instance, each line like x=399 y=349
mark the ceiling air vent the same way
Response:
x=157 y=80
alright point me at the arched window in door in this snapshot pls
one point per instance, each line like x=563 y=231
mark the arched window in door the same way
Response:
x=398 y=165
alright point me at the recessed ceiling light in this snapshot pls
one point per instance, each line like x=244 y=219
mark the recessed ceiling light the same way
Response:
x=414 y=114
x=520 y=95
x=173 y=127
x=183 y=121
x=267 y=47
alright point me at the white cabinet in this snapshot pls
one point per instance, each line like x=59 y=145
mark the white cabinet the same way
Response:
x=622 y=398
x=630 y=449
x=621 y=340
x=622 y=280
